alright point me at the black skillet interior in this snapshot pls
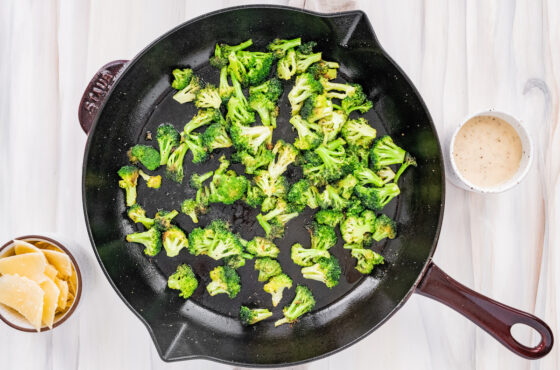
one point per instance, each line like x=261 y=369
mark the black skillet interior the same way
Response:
x=207 y=326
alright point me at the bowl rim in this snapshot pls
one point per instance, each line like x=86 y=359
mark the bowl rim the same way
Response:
x=77 y=298
x=527 y=152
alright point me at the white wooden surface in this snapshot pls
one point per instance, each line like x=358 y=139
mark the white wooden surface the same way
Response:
x=463 y=56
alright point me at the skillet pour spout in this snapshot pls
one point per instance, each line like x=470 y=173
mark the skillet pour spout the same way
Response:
x=128 y=99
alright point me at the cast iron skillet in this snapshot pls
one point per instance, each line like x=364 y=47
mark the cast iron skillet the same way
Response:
x=127 y=99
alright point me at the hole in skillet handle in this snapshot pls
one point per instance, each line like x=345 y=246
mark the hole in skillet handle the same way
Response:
x=96 y=91
x=495 y=318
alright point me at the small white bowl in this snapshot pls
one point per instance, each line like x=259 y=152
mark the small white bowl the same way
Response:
x=455 y=176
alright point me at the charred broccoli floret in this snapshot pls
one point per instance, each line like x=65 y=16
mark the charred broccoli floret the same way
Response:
x=358 y=132
x=271 y=89
x=385 y=153
x=201 y=118
x=181 y=78
x=249 y=316
x=208 y=97
x=384 y=228
x=329 y=163
x=216 y=137
x=271 y=188
x=307 y=256
x=274 y=221
x=355 y=207
x=174 y=239
x=408 y=161
x=215 y=241
x=316 y=107
x=285 y=154
x=183 y=280
x=325 y=270
x=330 y=198
x=198 y=149
x=225 y=90
x=129 y=180
x=262 y=247
x=376 y=198
x=162 y=219
x=307 y=48
x=386 y=174
x=250 y=138
x=339 y=90
x=356 y=100
x=174 y=169
x=138 y=215
x=222 y=51
x=253 y=162
x=226 y=186
x=365 y=176
x=323 y=237
x=304 y=87
x=224 y=281
x=310 y=135
x=302 y=193
x=150 y=239
x=354 y=228
x=254 y=197
x=304 y=60
x=279 y=47
x=197 y=180
x=267 y=268
x=323 y=69
x=332 y=125
x=153 y=182
x=329 y=217
x=195 y=207
x=236 y=261
x=257 y=64
x=146 y=155
x=287 y=66
x=275 y=287
x=168 y=139
x=266 y=108
x=238 y=109
x=302 y=303
x=345 y=187
x=367 y=259
x=187 y=83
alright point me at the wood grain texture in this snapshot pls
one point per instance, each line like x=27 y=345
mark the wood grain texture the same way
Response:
x=463 y=56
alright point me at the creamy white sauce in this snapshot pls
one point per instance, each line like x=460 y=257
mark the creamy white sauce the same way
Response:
x=487 y=151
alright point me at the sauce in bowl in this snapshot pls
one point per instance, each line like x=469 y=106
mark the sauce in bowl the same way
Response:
x=487 y=151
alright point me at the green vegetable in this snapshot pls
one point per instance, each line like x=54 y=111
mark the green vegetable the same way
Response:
x=323 y=237
x=128 y=182
x=262 y=247
x=307 y=256
x=385 y=153
x=138 y=215
x=384 y=228
x=151 y=181
x=168 y=139
x=224 y=281
x=329 y=217
x=326 y=270
x=267 y=268
x=183 y=280
x=249 y=316
x=174 y=239
x=367 y=259
x=376 y=198
x=150 y=239
x=275 y=287
x=302 y=303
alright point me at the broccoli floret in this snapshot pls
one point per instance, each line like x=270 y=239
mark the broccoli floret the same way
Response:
x=307 y=256
x=216 y=137
x=257 y=65
x=226 y=186
x=208 y=97
x=358 y=155
x=316 y=107
x=386 y=174
x=266 y=108
x=146 y=155
x=270 y=188
x=224 y=280
x=358 y=132
x=355 y=207
x=150 y=239
x=262 y=247
x=237 y=69
x=333 y=157
x=339 y=90
x=330 y=198
x=236 y=261
x=332 y=125
x=367 y=259
x=222 y=51
x=198 y=149
x=250 y=138
x=385 y=153
x=195 y=207
x=274 y=221
x=271 y=89
x=285 y=154
x=287 y=66
x=309 y=134
x=307 y=48
x=409 y=160
x=302 y=193
x=302 y=303
x=304 y=60
x=376 y=198
x=162 y=219
x=183 y=280
x=153 y=182
x=138 y=215
x=187 y=93
x=225 y=90
x=304 y=87
x=201 y=118
x=249 y=316
x=174 y=239
x=174 y=170
x=356 y=100
x=181 y=78
x=216 y=241
x=323 y=69
x=280 y=47
x=267 y=268
x=384 y=228
x=329 y=217
x=365 y=176
x=197 y=180
x=355 y=227
x=345 y=186
x=254 y=197
x=326 y=270
x=275 y=287
x=322 y=237
x=129 y=176
x=253 y=162
x=168 y=139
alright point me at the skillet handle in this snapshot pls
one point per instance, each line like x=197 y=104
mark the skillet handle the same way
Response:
x=95 y=92
x=495 y=318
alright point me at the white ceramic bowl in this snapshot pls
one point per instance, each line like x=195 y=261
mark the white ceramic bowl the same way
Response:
x=17 y=321
x=457 y=178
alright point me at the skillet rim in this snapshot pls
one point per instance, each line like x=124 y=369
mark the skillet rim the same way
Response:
x=135 y=59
